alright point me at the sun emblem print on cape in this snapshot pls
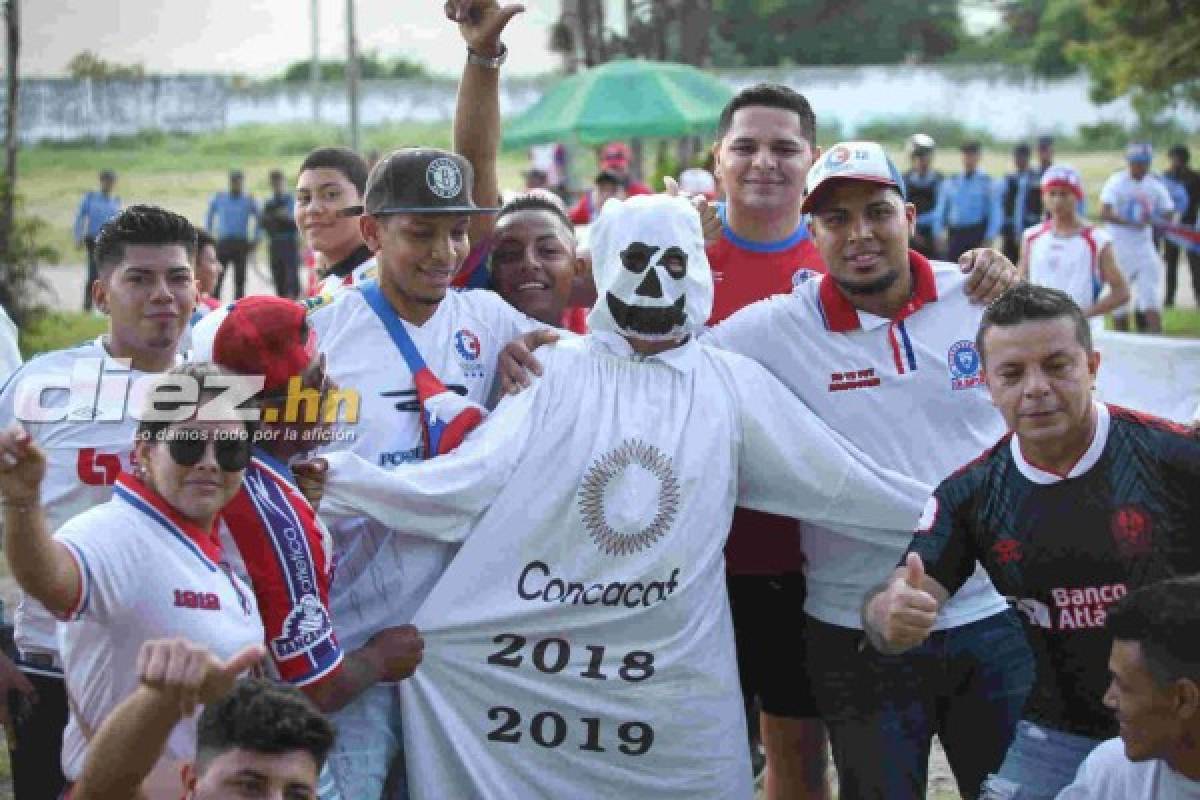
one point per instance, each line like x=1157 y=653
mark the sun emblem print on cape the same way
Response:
x=629 y=498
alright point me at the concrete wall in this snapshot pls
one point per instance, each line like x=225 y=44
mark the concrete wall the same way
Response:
x=1009 y=103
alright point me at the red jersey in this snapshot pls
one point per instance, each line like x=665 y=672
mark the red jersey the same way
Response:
x=745 y=272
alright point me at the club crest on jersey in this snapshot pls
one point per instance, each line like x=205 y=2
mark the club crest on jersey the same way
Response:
x=965 y=366
x=444 y=178
x=629 y=498
x=306 y=626
x=469 y=349
x=1131 y=530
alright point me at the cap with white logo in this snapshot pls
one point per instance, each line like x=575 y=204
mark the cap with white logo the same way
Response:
x=850 y=161
x=1139 y=153
x=422 y=180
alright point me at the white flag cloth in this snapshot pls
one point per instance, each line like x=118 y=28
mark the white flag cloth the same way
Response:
x=579 y=645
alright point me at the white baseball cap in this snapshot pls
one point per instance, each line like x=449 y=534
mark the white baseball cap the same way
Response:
x=853 y=161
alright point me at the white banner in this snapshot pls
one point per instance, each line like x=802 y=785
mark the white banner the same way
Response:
x=1154 y=374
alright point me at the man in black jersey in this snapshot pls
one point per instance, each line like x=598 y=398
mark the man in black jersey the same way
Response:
x=1078 y=505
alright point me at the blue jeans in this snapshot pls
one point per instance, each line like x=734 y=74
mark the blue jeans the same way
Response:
x=1040 y=763
x=967 y=685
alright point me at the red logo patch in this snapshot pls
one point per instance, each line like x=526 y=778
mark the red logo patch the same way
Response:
x=1007 y=551
x=1132 y=531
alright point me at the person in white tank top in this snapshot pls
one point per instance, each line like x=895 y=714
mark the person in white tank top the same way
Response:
x=1067 y=252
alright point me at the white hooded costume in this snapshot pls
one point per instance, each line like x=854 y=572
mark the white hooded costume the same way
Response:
x=580 y=645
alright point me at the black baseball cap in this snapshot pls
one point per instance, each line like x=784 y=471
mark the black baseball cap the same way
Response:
x=970 y=146
x=422 y=180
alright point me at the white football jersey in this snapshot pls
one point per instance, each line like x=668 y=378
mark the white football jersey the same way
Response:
x=83 y=398
x=1068 y=263
x=1141 y=201
x=580 y=644
x=382 y=574
x=147 y=574
x=907 y=392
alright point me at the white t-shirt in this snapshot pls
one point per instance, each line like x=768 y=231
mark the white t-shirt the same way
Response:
x=88 y=436
x=1106 y=774
x=1137 y=200
x=579 y=645
x=907 y=393
x=147 y=574
x=1068 y=263
x=382 y=574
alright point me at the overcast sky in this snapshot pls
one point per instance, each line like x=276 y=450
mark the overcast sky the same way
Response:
x=259 y=37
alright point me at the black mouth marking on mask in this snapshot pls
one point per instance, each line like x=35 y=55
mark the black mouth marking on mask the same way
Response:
x=652 y=320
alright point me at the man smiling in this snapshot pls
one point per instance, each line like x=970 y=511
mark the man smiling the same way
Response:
x=1079 y=505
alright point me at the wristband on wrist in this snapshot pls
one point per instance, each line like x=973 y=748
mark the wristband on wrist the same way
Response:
x=483 y=61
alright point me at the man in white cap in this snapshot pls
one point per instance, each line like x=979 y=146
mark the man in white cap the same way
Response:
x=579 y=645
x=882 y=349
x=1130 y=202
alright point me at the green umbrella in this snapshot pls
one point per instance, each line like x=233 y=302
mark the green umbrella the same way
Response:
x=623 y=100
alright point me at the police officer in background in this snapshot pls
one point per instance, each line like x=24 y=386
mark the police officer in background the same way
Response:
x=1022 y=201
x=922 y=182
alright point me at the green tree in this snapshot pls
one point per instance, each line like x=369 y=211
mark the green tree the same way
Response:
x=87 y=64
x=1150 y=48
x=778 y=32
x=1035 y=33
x=371 y=66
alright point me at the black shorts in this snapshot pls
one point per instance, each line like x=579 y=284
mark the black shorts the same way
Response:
x=768 y=625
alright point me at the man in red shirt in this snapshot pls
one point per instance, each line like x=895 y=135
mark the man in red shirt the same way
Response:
x=766 y=141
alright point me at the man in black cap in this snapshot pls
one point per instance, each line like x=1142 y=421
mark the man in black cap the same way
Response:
x=232 y=212
x=1186 y=182
x=400 y=342
x=1022 y=202
x=969 y=206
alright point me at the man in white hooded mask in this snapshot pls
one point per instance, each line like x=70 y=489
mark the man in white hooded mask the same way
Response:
x=579 y=645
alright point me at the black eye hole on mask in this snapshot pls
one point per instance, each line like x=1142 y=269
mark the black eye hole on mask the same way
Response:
x=674 y=261
x=637 y=257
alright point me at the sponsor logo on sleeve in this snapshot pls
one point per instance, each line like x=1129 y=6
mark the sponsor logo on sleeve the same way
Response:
x=306 y=626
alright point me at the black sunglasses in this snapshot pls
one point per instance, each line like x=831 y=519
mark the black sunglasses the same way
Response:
x=233 y=455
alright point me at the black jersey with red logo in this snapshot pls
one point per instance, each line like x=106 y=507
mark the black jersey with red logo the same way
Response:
x=1065 y=547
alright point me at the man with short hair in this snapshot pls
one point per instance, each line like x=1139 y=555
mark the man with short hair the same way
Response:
x=1130 y=202
x=923 y=183
x=400 y=342
x=1078 y=505
x=969 y=213
x=95 y=209
x=232 y=212
x=1155 y=695
x=329 y=191
x=878 y=348
x=534 y=264
x=1021 y=202
x=254 y=738
x=1188 y=182
x=616 y=157
x=146 y=286
x=280 y=225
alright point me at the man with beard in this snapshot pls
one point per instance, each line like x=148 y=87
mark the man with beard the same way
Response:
x=881 y=349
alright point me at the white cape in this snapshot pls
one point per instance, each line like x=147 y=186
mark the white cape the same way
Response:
x=580 y=645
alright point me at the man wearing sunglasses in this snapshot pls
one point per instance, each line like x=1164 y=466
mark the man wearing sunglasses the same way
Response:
x=147 y=288
x=270 y=337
